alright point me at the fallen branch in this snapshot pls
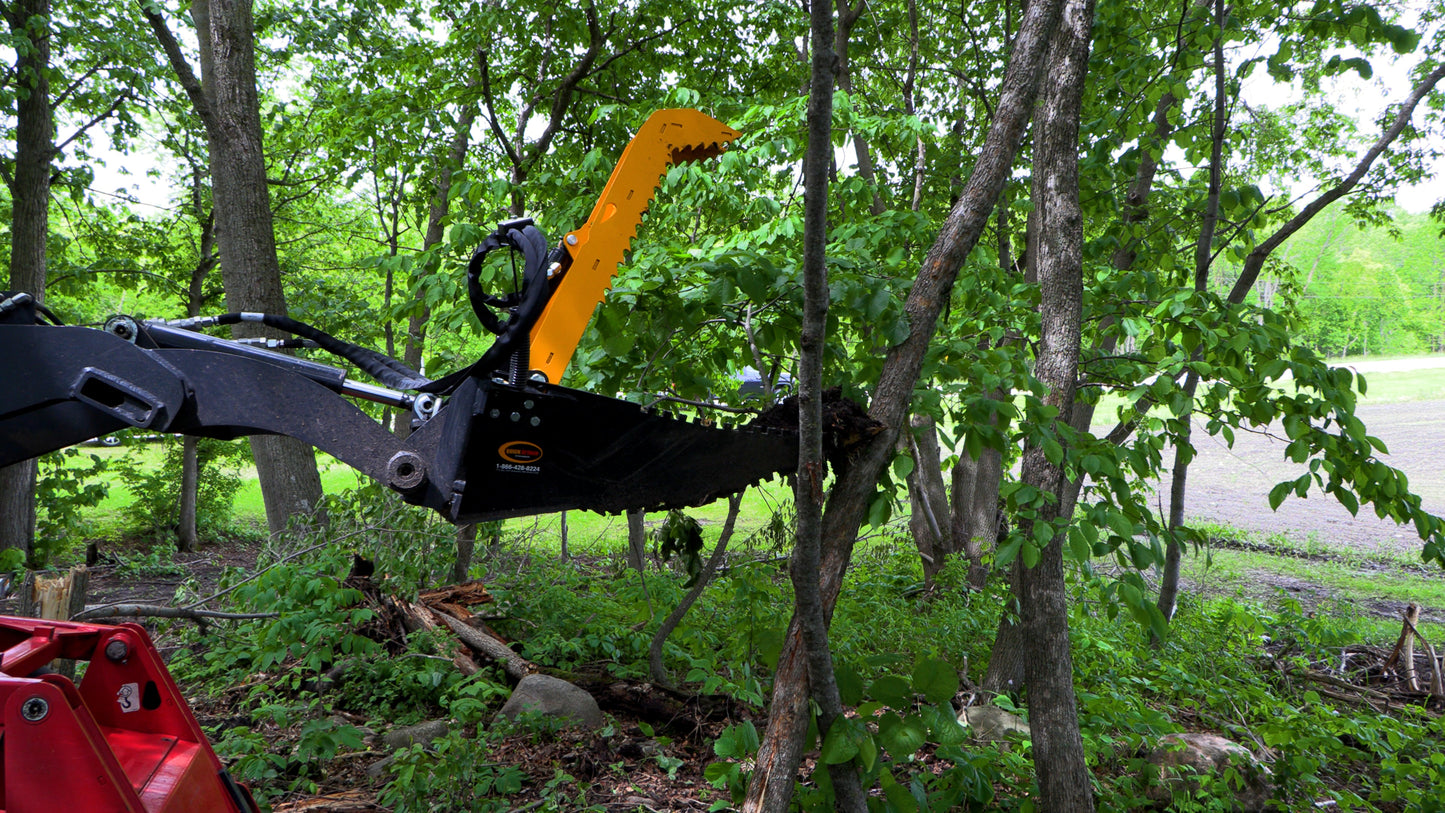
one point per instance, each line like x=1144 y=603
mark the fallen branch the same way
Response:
x=159 y=611
x=513 y=664
x=1338 y=683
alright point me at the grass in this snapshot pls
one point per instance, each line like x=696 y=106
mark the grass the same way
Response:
x=1415 y=385
x=1315 y=571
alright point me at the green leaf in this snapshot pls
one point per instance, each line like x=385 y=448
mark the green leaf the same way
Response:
x=840 y=745
x=898 y=796
x=1053 y=451
x=902 y=467
x=935 y=679
x=867 y=753
x=943 y=725
x=1031 y=553
x=1277 y=495
x=900 y=736
x=893 y=690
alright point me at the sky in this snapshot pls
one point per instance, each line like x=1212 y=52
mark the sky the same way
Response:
x=1364 y=100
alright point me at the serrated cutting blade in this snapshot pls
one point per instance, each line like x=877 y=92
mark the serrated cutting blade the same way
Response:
x=600 y=245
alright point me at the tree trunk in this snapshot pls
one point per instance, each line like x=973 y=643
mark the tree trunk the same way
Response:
x=1203 y=258
x=636 y=541
x=30 y=201
x=187 y=535
x=562 y=531
x=225 y=100
x=466 y=539
x=848 y=15
x=435 y=230
x=1005 y=673
x=928 y=500
x=782 y=746
x=975 y=514
x=1065 y=783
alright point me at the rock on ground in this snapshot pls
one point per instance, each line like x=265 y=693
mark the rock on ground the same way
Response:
x=553 y=697
x=1183 y=759
x=991 y=723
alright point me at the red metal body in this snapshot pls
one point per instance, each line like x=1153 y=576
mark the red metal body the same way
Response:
x=124 y=741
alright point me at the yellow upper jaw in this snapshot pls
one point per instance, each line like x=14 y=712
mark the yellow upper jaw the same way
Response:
x=598 y=247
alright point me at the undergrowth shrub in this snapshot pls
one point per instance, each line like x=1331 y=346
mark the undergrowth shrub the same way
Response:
x=156 y=489
x=67 y=483
x=450 y=774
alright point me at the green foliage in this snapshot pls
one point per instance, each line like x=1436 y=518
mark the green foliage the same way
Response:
x=157 y=560
x=69 y=481
x=156 y=488
x=272 y=766
x=680 y=535
x=450 y=774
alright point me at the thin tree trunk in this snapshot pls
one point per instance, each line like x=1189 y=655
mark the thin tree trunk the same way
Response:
x=848 y=15
x=928 y=500
x=654 y=651
x=782 y=746
x=187 y=535
x=562 y=523
x=30 y=225
x=1065 y=784
x=1203 y=258
x=808 y=608
x=636 y=540
x=466 y=540
x=435 y=229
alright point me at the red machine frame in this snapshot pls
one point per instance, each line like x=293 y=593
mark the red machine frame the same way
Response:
x=125 y=740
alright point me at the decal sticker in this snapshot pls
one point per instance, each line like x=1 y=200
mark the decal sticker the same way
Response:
x=520 y=452
x=128 y=698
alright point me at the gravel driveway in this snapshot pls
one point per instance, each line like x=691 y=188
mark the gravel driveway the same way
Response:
x=1232 y=485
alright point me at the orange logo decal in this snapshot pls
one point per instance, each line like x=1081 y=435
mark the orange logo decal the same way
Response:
x=520 y=451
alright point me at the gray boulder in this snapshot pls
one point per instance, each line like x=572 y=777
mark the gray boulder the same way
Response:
x=991 y=723
x=1183 y=759
x=553 y=697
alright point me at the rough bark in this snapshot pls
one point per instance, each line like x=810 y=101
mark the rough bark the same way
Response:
x=928 y=520
x=812 y=471
x=636 y=540
x=30 y=201
x=225 y=99
x=782 y=747
x=1063 y=775
x=1203 y=258
x=466 y=540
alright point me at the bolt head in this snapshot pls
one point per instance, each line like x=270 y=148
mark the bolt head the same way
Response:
x=35 y=709
x=117 y=650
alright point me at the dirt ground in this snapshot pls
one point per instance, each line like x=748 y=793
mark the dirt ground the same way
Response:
x=1231 y=485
